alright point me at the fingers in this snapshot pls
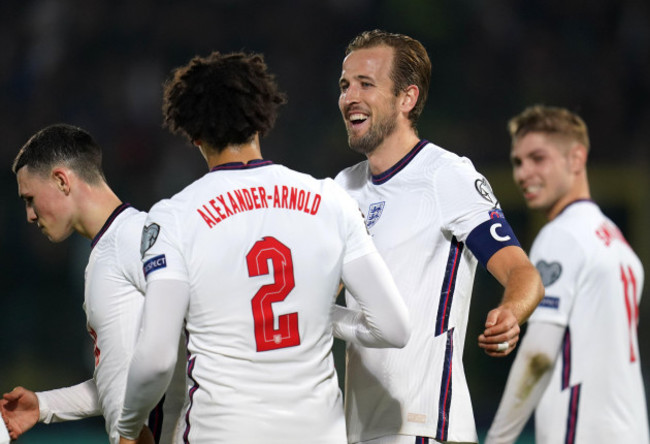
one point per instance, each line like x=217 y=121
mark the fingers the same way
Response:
x=15 y=394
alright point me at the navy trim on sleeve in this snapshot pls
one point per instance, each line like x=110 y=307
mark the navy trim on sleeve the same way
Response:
x=489 y=237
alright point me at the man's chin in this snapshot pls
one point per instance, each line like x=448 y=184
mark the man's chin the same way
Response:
x=360 y=146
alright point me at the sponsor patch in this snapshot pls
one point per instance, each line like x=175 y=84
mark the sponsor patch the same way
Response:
x=484 y=189
x=155 y=263
x=550 y=272
x=149 y=236
x=550 y=302
x=374 y=213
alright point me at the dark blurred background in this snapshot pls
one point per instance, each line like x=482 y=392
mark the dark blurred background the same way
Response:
x=100 y=65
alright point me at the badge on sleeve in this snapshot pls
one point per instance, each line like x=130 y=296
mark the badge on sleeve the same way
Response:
x=549 y=272
x=149 y=236
x=484 y=189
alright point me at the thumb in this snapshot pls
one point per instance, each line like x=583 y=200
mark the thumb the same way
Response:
x=492 y=318
x=14 y=394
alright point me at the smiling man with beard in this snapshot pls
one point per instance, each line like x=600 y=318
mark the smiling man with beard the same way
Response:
x=432 y=217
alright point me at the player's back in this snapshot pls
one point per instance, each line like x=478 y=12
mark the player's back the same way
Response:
x=600 y=279
x=263 y=248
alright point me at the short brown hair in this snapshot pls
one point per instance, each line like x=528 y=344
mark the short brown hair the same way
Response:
x=549 y=120
x=411 y=64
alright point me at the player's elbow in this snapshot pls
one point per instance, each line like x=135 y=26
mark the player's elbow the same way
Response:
x=403 y=335
x=399 y=333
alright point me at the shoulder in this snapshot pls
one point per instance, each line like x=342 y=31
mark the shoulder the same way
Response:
x=354 y=176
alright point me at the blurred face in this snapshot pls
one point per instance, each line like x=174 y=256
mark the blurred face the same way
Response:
x=541 y=168
x=45 y=204
x=367 y=102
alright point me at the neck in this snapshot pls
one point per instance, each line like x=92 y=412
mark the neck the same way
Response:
x=232 y=153
x=579 y=192
x=391 y=150
x=96 y=203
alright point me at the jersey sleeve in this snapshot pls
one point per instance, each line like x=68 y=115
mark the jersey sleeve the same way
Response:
x=69 y=403
x=470 y=211
x=559 y=258
x=160 y=244
x=128 y=252
x=357 y=239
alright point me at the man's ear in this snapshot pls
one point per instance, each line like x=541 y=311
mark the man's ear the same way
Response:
x=62 y=179
x=409 y=98
x=578 y=157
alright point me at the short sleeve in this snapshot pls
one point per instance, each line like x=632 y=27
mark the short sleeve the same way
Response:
x=161 y=245
x=464 y=197
x=559 y=258
x=129 y=253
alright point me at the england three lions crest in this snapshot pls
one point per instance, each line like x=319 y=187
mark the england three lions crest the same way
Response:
x=374 y=213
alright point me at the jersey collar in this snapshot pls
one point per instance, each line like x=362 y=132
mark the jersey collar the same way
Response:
x=116 y=212
x=378 y=179
x=574 y=202
x=241 y=165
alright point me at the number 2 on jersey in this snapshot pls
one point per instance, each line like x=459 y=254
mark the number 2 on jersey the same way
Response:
x=631 y=305
x=267 y=336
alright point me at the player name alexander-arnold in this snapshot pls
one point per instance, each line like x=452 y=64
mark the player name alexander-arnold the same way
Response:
x=246 y=199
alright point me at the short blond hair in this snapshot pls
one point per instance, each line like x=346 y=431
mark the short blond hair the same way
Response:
x=553 y=121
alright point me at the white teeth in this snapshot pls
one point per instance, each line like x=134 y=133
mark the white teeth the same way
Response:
x=357 y=117
x=532 y=189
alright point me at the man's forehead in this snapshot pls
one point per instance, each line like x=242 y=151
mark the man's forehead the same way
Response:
x=373 y=58
x=26 y=177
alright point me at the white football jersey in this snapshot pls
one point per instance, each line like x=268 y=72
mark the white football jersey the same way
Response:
x=422 y=214
x=114 y=298
x=262 y=248
x=593 y=283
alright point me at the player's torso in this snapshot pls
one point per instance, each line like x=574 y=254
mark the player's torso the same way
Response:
x=599 y=371
x=434 y=273
x=113 y=305
x=263 y=253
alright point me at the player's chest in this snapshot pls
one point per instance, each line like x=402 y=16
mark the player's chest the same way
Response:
x=400 y=215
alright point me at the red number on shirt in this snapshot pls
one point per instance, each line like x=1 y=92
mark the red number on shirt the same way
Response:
x=631 y=305
x=286 y=334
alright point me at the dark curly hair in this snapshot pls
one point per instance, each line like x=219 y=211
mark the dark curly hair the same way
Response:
x=222 y=99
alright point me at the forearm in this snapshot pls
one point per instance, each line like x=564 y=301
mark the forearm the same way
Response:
x=69 y=403
x=523 y=292
x=155 y=355
x=528 y=379
x=521 y=280
x=383 y=319
x=350 y=326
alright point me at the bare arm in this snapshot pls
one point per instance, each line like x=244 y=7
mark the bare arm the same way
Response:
x=523 y=291
x=528 y=379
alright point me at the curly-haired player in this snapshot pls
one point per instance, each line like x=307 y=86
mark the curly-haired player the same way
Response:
x=248 y=259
